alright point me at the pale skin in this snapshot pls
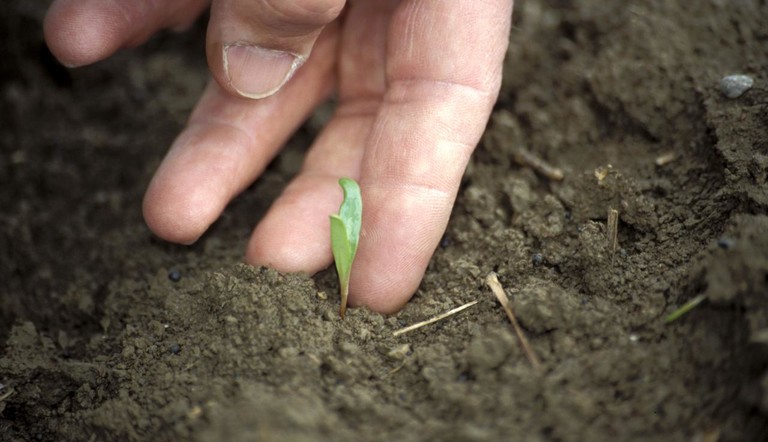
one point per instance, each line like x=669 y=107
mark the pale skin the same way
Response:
x=415 y=80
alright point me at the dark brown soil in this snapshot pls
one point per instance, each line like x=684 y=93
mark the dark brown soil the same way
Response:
x=98 y=343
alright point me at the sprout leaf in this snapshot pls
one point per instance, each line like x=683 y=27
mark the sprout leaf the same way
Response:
x=345 y=233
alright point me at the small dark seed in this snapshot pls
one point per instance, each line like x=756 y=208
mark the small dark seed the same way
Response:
x=175 y=348
x=445 y=242
x=174 y=275
x=537 y=259
x=725 y=243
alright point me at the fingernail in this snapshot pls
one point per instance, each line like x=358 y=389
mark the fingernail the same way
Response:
x=256 y=72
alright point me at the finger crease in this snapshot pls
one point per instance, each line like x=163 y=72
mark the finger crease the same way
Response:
x=435 y=84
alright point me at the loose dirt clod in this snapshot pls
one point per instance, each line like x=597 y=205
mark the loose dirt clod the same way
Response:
x=400 y=352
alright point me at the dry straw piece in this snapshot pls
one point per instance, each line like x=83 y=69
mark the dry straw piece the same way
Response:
x=613 y=231
x=526 y=158
x=493 y=282
x=665 y=158
x=434 y=319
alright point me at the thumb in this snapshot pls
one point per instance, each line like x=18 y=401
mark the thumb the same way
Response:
x=255 y=46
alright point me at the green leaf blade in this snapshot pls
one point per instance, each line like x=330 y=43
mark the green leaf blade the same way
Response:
x=351 y=211
x=342 y=253
x=345 y=235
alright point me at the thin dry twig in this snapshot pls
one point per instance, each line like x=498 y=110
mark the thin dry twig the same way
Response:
x=8 y=394
x=613 y=231
x=527 y=159
x=396 y=369
x=493 y=282
x=434 y=319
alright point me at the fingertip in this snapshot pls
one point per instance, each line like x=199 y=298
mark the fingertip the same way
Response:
x=294 y=236
x=383 y=286
x=176 y=214
x=289 y=254
x=183 y=199
x=381 y=296
x=401 y=230
x=383 y=279
x=81 y=32
x=78 y=34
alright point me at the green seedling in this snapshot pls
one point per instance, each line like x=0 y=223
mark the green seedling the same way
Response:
x=345 y=233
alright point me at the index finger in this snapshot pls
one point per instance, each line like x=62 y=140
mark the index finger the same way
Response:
x=444 y=67
x=81 y=32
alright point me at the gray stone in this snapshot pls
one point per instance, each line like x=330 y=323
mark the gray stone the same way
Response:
x=734 y=86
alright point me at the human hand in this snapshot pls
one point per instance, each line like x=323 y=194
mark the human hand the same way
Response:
x=415 y=79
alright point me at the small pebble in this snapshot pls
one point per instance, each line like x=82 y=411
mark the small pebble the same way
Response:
x=175 y=348
x=733 y=86
x=174 y=275
x=725 y=243
x=537 y=259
